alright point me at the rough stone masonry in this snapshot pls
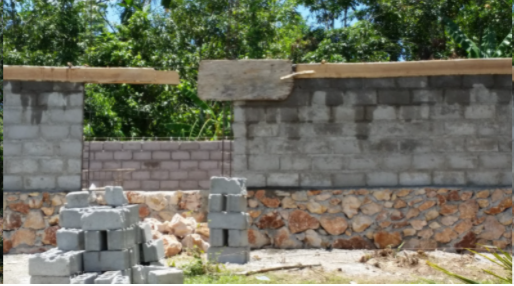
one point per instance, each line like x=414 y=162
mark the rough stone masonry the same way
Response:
x=42 y=136
x=103 y=245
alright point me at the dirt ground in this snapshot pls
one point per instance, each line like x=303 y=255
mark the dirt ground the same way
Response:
x=406 y=267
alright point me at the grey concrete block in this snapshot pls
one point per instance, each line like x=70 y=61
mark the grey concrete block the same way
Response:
x=86 y=278
x=412 y=82
x=135 y=255
x=349 y=180
x=106 y=219
x=222 y=185
x=124 y=279
x=56 y=262
x=382 y=179
x=237 y=238
x=99 y=261
x=140 y=273
x=446 y=178
x=50 y=280
x=108 y=277
x=166 y=276
x=394 y=97
x=261 y=162
x=217 y=203
x=428 y=161
x=71 y=218
x=283 y=180
x=118 y=239
x=236 y=255
x=77 y=199
x=445 y=81
x=427 y=96
x=133 y=213
x=225 y=220
x=95 y=240
x=70 y=239
x=481 y=145
x=236 y=203
x=360 y=97
x=153 y=250
x=18 y=132
x=316 y=180
x=415 y=179
x=218 y=237
x=484 y=178
x=145 y=232
x=114 y=196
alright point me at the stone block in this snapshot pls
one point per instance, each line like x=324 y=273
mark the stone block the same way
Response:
x=106 y=219
x=114 y=196
x=108 y=277
x=70 y=239
x=77 y=199
x=86 y=278
x=56 y=262
x=236 y=203
x=222 y=185
x=71 y=218
x=118 y=239
x=140 y=273
x=145 y=232
x=226 y=220
x=237 y=238
x=99 y=261
x=236 y=255
x=95 y=240
x=217 y=203
x=166 y=276
x=153 y=250
x=218 y=237
x=50 y=280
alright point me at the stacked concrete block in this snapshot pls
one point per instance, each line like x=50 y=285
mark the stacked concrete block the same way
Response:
x=101 y=245
x=228 y=221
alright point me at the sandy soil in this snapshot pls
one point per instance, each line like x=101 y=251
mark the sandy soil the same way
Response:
x=346 y=263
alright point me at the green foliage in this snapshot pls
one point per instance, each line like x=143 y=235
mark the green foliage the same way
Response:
x=502 y=259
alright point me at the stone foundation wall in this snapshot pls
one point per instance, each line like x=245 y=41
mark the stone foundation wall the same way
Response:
x=31 y=220
x=426 y=218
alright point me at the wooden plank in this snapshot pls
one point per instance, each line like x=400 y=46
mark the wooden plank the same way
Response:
x=226 y=80
x=406 y=69
x=91 y=75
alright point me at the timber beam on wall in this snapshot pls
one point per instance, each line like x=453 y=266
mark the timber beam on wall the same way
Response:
x=407 y=69
x=98 y=75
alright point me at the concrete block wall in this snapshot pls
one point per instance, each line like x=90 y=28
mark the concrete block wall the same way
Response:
x=158 y=165
x=42 y=136
x=408 y=131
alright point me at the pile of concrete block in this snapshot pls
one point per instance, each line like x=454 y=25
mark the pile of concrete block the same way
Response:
x=103 y=245
x=228 y=221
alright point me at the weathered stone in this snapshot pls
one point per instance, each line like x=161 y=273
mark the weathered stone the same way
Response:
x=382 y=215
x=34 y=220
x=492 y=229
x=313 y=192
x=418 y=224
x=50 y=235
x=384 y=239
x=384 y=224
x=403 y=193
x=441 y=200
x=323 y=197
x=20 y=207
x=284 y=214
x=257 y=239
x=426 y=233
x=270 y=202
x=335 y=201
x=497 y=195
x=288 y=203
x=468 y=241
x=313 y=239
x=300 y=196
x=466 y=196
x=453 y=196
x=316 y=208
x=351 y=206
x=12 y=221
x=401 y=224
x=270 y=220
x=144 y=211
x=136 y=197
x=192 y=241
x=54 y=220
x=463 y=226
x=156 y=202
x=396 y=215
x=448 y=209
x=431 y=214
x=283 y=239
x=382 y=195
x=426 y=205
x=371 y=208
x=483 y=203
x=445 y=236
x=482 y=194
x=166 y=215
x=478 y=220
x=35 y=203
x=388 y=204
x=48 y=211
x=412 y=213
x=424 y=244
x=505 y=218
x=333 y=224
x=434 y=225
x=300 y=221
x=23 y=236
x=254 y=213
x=468 y=209
x=172 y=246
x=7 y=245
x=398 y=204
x=361 y=223
x=250 y=194
x=174 y=198
x=353 y=243
x=501 y=244
x=337 y=192
x=282 y=194
x=57 y=200
x=180 y=226
x=361 y=192
x=253 y=203
x=449 y=220
x=334 y=209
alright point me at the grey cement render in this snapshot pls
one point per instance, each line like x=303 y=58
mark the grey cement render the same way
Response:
x=411 y=131
x=43 y=125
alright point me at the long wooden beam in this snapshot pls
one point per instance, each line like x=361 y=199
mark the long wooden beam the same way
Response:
x=91 y=75
x=406 y=69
